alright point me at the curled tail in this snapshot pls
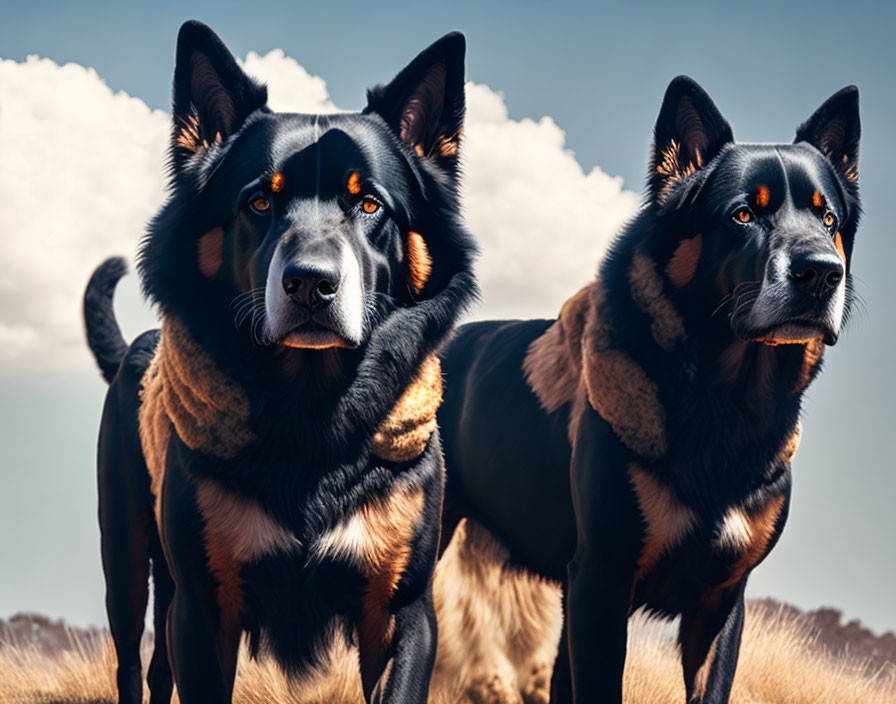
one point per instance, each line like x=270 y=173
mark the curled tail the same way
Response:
x=103 y=334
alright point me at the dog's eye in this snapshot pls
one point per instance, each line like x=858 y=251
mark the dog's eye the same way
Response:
x=369 y=205
x=743 y=215
x=829 y=220
x=259 y=203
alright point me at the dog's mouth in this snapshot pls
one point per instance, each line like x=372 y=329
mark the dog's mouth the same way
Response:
x=312 y=335
x=796 y=332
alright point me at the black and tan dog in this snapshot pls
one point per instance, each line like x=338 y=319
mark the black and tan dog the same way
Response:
x=638 y=448
x=279 y=431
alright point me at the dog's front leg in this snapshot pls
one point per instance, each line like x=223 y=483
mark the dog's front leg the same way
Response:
x=398 y=637
x=599 y=599
x=203 y=635
x=408 y=670
x=710 y=643
x=601 y=574
x=203 y=654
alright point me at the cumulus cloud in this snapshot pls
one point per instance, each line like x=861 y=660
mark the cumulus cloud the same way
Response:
x=542 y=221
x=82 y=170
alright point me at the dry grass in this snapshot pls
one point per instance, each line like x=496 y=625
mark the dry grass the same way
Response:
x=780 y=662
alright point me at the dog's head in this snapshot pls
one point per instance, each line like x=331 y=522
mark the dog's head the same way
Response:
x=767 y=230
x=306 y=230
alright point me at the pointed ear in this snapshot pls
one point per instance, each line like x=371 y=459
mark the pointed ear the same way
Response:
x=835 y=130
x=690 y=131
x=424 y=104
x=212 y=95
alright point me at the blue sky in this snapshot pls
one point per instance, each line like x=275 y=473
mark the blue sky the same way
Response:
x=599 y=71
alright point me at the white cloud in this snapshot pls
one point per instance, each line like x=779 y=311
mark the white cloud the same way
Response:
x=290 y=87
x=542 y=222
x=82 y=170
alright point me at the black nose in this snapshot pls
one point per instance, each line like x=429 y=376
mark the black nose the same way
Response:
x=817 y=273
x=314 y=285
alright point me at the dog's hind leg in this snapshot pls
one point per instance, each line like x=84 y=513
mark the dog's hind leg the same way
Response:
x=126 y=525
x=126 y=568
x=159 y=676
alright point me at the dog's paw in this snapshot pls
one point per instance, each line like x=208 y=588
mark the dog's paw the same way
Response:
x=537 y=684
x=494 y=689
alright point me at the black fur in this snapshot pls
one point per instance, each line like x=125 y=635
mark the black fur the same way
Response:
x=569 y=510
x=313 y=411
x=103 y=334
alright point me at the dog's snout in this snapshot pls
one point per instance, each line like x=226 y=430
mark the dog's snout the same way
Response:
x=313 y=285
x=817 y=273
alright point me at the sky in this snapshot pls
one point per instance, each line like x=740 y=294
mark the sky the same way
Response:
x=562 y=99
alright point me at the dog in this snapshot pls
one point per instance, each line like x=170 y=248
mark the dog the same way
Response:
x=272 y=452
x=637 y=449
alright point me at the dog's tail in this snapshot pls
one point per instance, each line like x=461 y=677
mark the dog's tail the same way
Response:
x=103 y=334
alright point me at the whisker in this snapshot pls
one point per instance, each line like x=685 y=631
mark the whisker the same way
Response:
x=742 y=289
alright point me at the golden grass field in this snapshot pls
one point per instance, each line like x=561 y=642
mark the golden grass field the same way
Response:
x=780 y=663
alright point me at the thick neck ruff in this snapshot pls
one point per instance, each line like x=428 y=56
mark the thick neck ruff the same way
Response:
x=184 y=390
x=576 y=361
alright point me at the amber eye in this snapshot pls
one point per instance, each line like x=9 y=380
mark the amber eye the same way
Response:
x=370 y=205
x=829 y=219
x=259 y=203
x=743 y=215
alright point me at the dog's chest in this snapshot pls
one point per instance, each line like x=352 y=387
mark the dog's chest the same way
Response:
x=714 y=547
x=245 y=545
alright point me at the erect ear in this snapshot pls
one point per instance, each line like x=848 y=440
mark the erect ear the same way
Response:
x=424 y=104
x=212 y=94
x=689 y=132
x=835 y=130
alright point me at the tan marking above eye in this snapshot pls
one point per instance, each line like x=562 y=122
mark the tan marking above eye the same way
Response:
x=354 y=183
x=762 y=196
x=744 y=215
x=817 y=200
x=370 y=206
x=277 y=182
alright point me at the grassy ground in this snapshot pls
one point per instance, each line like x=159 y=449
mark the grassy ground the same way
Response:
x=780 y=662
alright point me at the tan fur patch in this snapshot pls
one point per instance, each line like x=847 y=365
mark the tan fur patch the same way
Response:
x=184 y=390
x=405 y=432
x=621 y=392
x=354 y=183
x=762 y=197
x=277 y=182
x=683 y=264
x=761 y=525
x=553 y=362
x=188 y=135
x=210 y=253
x=669 y=165
x=817 y=200
x=647 y=292
x=499 y=627
x=419 y=261
x=838 y=243
x=239 y=526
x=378 y=539
x=788 y=452
x=578 y=347
x=811 y=356
x=666 y=520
